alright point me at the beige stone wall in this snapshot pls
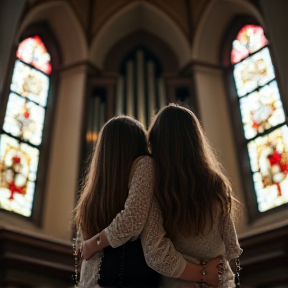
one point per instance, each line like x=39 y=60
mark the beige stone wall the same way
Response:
x=198 y=39
x=63 y=167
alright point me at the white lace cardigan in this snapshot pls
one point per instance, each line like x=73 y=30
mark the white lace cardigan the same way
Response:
x=141 y=215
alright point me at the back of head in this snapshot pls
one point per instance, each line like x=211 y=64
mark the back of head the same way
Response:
x=120 y=142
x=189 y=183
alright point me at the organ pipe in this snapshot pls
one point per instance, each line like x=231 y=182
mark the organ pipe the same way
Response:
x=151 y=90
x=120 y=97
x=161 y=93
x=130 y=86
x=101 y=115
x=96 y=125
x=140 y=86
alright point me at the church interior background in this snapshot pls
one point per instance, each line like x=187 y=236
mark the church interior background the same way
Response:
x=67 y=66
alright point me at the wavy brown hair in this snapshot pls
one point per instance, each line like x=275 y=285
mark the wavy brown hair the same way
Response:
x=120 y=142
x=189 y=183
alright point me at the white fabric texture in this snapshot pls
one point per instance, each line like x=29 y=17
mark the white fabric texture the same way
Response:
x=160 y=253
x=129 y=223
x=89 y=271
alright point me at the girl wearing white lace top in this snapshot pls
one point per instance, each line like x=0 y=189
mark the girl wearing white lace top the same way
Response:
x=105 y=200
x=192 y=199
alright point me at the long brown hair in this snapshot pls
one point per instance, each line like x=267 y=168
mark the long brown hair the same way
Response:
x=189 y=183
x=120 y=142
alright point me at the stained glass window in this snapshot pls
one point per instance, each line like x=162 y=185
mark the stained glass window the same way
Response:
x=263 y=116
x=269 y=164
x=30 y=83
x=24 y=119
x=21 y=136
x=33 y=51
x=250 y=39
x=253 y=72
x=261 y=110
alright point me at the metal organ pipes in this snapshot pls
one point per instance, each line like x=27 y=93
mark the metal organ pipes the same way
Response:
x=151 y=90
x=120 y=96
x=102 y=114
x=140 y=87
x=140 y=90
x=161 y=93
x=130 y=88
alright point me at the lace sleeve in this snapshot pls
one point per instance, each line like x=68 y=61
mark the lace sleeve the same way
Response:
x=130 y=221
x=159 y=251
x=232 y=247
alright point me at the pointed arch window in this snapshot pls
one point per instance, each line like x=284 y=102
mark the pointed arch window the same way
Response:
x=263 y=116
x=22 y=131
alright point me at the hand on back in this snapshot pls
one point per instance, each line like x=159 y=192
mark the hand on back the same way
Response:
x=213 y=268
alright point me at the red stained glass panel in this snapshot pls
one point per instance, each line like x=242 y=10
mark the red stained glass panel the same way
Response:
x=269 y=163
x=18 y=173
x=250 y=39
x=33 y=51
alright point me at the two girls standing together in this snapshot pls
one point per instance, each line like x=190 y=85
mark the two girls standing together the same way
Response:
x=173 y=194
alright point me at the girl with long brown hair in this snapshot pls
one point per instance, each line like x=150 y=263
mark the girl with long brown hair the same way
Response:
x=106 y=201
x=120 y=142
x=192 y=202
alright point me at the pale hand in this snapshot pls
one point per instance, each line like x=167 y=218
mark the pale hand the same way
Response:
x=89 y=248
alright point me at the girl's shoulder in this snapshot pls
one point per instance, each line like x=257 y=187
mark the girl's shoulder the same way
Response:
x=143 y=161
x=142 y=164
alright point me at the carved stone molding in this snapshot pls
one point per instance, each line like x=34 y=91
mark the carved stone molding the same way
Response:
x=28 y=260
x=265 y=257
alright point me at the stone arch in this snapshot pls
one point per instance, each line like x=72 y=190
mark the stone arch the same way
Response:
x=65 y=26
x=212 y=28
x=155 y=45
x=134 y=17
